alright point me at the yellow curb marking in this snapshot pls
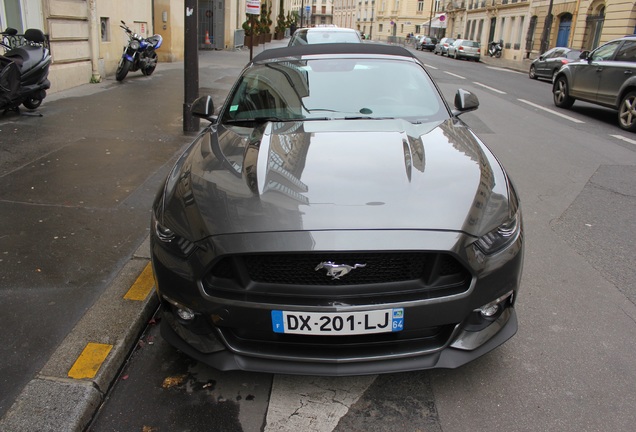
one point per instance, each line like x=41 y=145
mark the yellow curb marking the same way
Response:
x=142 y=286
x=89 y=361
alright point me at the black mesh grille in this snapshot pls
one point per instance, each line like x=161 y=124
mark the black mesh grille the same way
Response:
x=301 y=269
x=295 y=279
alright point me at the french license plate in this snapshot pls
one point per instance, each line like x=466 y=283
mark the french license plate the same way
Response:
x=338 y=323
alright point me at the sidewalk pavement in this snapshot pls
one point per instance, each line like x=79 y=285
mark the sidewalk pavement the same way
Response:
x=51 y=400
x=76 y=186
x=517 y=65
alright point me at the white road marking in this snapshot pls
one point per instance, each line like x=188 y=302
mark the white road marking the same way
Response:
x=455 y=75
x=572 y=119
x=489 y=88
x=303 y=403
x=622 y=138
x=429 y=66
x=505 y=70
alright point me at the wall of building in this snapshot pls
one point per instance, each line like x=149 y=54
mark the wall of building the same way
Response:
x=66 y=22
x=136 y=14
x=169 y=23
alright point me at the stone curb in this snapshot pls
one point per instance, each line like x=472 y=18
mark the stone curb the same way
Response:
x=54 y=402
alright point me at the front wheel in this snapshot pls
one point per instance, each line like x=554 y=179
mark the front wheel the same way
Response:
x=533 y=72
x=560 y=91
x=122 y=69
x=32 y=103
x=498 y=54
x=627 y=112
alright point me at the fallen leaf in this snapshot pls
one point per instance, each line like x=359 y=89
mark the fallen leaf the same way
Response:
x=173 y=381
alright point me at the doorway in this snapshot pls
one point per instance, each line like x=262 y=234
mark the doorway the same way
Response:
x=563 y=36
x=211 y=24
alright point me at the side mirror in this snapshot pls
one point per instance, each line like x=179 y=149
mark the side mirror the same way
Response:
x=203 y=107
x=465 y=101
x=584 y=55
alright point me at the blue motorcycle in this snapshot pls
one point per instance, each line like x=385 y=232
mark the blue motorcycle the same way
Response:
x=139 y=54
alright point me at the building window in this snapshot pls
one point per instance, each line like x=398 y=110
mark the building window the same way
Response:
x=379 y=27
x=420 y=5
x=104 y=25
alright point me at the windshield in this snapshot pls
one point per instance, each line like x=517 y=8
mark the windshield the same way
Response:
x=335 y=89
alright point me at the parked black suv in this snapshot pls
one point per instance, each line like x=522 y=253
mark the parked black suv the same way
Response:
x=605 y=76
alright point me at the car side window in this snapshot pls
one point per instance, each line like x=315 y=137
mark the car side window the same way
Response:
x=627 y=52
x=605 y=52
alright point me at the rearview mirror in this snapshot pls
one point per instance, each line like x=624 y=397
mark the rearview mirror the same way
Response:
x=203 y=107
x=465 y=101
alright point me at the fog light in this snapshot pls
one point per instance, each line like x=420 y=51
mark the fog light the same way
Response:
x=488 y=311
x=491 y=309
x=183 y=312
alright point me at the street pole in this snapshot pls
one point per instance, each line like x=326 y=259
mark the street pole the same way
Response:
x=430 y=22
x=190 y=66
x=545 y=36
x=302 y=12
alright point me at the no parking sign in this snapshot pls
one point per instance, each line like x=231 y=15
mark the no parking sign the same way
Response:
x=253 y=7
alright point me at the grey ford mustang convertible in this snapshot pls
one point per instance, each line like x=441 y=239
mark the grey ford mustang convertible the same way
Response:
x=337 y=218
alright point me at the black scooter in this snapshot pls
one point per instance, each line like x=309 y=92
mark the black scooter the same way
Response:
x=24 y=70
x=495 y=48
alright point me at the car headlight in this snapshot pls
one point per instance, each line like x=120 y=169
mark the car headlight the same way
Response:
x=171 y=241
x=501 y=237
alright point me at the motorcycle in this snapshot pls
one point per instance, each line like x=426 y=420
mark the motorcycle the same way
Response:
x=495 y=48
x=24 y=69
x=139 y=54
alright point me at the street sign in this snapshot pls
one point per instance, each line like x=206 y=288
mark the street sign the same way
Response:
x=253 y=7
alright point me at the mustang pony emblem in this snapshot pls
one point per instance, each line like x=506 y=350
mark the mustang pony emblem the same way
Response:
x=337 y=270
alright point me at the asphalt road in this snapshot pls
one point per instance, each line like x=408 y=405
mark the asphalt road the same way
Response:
x=570 y=368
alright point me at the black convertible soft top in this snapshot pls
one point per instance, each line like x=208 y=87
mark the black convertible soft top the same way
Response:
x=333 y=48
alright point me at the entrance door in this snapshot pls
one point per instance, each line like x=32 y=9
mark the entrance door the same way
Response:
x=493 y=24
x=564 y=31
x=211 y=24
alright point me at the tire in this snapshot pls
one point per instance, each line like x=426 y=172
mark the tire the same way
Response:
x=32 y=103
x=147 y=71
x=455 y=55
x=533 y=72
x=122 y=69
x=498 y=54
x=560 y=92
x=627 y=112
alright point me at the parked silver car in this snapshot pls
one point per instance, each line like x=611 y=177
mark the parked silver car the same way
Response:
x=316 y=35
x=464 y=48
x=606 y=77
x=442 y=46
x=549 y=63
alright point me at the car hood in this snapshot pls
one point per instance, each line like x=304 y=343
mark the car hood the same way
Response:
x=336 y=175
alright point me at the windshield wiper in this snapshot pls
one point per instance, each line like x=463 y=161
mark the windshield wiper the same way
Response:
x=368 y=118
x=261 y=120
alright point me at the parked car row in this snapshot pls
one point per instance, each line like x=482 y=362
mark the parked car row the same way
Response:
x=605 y=77
x=455 y=48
